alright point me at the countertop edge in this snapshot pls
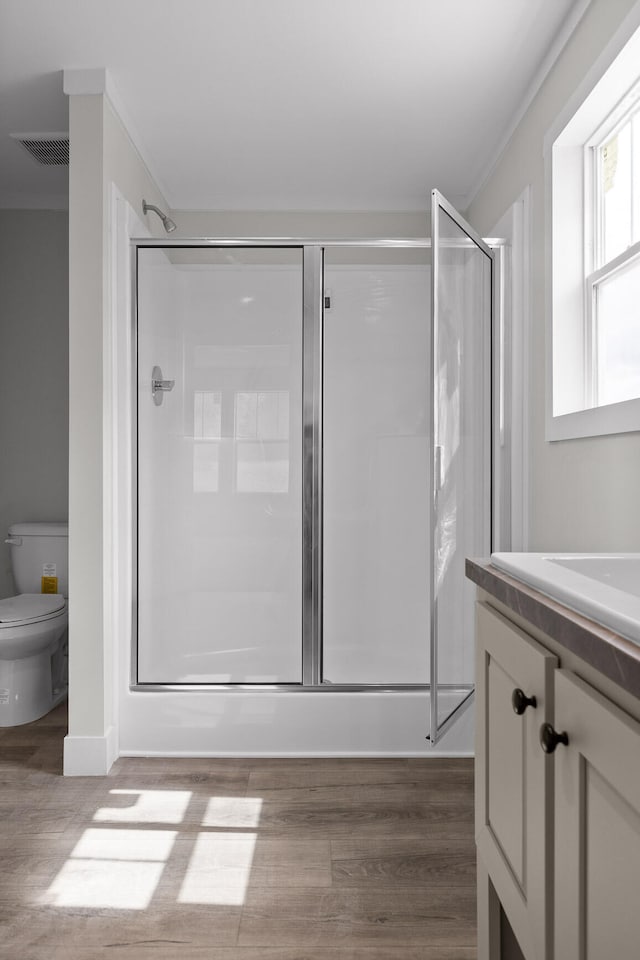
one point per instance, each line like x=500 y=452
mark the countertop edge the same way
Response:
x=614 y=656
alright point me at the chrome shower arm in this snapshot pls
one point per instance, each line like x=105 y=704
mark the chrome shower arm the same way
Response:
x=168 y=223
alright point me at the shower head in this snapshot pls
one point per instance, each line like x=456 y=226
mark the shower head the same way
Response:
x=167 y=222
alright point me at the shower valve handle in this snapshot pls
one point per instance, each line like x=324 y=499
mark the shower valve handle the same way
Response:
x=159 y=386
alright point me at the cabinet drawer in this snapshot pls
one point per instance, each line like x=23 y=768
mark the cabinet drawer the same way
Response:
x=514 y=775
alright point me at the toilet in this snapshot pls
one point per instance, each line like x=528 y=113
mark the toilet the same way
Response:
x=33 y=624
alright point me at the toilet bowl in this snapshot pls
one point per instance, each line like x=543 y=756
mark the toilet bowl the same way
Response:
x=33 y=626
x=33 y=630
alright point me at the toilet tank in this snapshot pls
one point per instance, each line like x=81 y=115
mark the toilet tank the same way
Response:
x=40 y=557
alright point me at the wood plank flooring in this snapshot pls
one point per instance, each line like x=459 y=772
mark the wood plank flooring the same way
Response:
x=233 y=859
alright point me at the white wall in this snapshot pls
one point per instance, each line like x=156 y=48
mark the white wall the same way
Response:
x=320 y=225
x=101 y=155
x=34 y=371
x=583 y=492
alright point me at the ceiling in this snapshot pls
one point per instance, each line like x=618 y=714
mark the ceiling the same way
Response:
x=281 y=104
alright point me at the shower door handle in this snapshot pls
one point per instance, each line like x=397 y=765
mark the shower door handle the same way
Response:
x=159 y=386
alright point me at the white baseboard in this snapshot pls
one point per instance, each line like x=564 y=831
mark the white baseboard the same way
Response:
x=90 y=756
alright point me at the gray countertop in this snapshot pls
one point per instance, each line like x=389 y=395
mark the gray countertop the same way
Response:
x=614 y=656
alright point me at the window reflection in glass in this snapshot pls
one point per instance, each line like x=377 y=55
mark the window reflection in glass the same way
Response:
x=207 y=426
x=207 y=414
x=262 y=441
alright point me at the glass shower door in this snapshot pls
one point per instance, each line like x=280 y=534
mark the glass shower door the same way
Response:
x=461 y=423
x=219 y=507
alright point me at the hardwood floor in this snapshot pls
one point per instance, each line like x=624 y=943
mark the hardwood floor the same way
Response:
x=233 y=859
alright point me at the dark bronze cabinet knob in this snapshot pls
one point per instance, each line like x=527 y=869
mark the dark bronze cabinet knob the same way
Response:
x=520 y=701
x=549 y=738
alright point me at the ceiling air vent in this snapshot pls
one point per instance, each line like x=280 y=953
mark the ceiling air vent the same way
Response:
x=46 y=148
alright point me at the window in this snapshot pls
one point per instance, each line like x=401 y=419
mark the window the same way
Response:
x=613 y=284
x=592 y=156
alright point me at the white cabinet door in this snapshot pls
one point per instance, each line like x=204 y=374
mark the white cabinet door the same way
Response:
x=597 y=826
x=513 y=777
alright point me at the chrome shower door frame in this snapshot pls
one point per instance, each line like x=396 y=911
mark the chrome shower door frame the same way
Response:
x=312 y=518
x=312 y=384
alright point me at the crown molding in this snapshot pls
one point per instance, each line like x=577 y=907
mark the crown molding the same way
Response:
x=563 y=36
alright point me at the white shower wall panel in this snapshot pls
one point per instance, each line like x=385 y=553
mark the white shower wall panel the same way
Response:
x=377 y=382
x=220 y=528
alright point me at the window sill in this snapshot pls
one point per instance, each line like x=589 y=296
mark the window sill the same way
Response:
x=595 y=422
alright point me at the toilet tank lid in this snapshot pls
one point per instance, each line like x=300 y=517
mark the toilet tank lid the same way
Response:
x=42 y=529
x=29 y=606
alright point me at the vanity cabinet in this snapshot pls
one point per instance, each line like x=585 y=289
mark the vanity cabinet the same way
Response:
x=558 y=833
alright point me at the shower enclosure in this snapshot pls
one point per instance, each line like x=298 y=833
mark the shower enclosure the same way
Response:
x=313 y=423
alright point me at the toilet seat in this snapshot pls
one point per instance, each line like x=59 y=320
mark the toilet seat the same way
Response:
x=29 y=608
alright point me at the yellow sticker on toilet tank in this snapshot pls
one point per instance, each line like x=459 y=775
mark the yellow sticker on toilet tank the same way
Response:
x=49 y=580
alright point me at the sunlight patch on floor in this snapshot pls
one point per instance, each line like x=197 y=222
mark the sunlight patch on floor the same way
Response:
x=229 y=812
x=146 y=806
x=121 y=867
x=219 y=869
x=112 y=869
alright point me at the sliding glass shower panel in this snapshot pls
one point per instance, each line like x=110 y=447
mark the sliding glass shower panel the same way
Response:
x=462 y=431
x=376 y=442
x=219 y=465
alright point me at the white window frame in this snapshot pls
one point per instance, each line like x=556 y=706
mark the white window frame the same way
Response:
x=599 y=269
x=599 y=104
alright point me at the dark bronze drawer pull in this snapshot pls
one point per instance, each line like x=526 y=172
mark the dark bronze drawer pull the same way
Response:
x=549 y=739
x=520 y=701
